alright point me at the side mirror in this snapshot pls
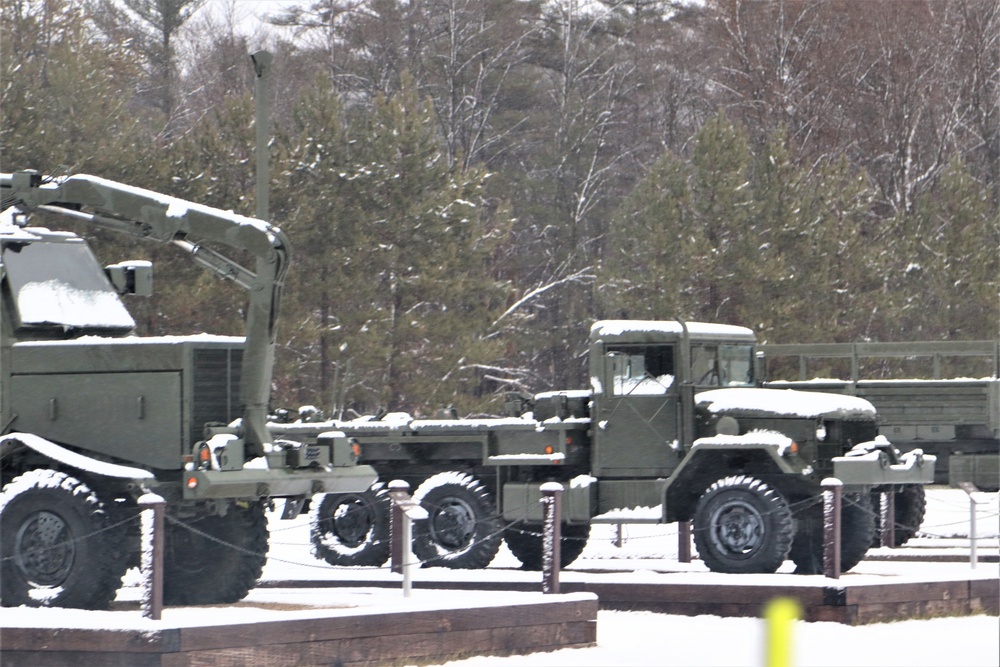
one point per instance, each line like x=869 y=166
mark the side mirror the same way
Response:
x=134 y=277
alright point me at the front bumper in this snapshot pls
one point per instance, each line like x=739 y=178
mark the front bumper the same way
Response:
x=875 y=467
x=276 y=482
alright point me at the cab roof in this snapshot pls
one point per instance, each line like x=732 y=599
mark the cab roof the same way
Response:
x=651 y=331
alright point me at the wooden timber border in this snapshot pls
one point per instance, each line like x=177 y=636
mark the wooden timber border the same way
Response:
x=356 y=639
x=840 y=601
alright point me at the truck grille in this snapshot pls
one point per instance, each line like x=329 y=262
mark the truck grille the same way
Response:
x=851 y=433
x=216 y=388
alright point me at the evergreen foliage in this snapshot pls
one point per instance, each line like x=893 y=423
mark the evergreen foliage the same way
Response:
x=467 y=184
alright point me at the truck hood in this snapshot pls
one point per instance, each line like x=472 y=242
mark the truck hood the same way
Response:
x=783 y=403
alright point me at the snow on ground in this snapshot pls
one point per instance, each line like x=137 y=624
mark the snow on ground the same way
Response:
x=624 y=639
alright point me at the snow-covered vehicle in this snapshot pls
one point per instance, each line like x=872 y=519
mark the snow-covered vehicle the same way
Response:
x=956 y=418
x=675 y=427
x=93 y=416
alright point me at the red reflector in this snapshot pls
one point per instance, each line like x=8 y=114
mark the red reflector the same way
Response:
x=192 y=482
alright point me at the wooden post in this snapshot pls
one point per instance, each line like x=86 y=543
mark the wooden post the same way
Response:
x=404 y=511
x=151 y=516
x=887 y=515
x=684 y=541
x=833 y=490
x=551 y=551
x=399 y=491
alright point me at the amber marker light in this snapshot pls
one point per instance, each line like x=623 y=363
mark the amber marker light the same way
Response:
x=192 y=482
x=204 y=457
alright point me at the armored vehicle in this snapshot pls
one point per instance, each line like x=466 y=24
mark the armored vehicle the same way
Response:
x=674 y=428
x=93 y=416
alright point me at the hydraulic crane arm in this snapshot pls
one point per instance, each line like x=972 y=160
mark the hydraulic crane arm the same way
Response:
x=150 y=215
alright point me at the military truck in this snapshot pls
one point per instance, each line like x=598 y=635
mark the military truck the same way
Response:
x=919 y=404
x=674 y=420
x=93 y=416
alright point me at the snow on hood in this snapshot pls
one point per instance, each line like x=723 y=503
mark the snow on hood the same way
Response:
x=784 y=402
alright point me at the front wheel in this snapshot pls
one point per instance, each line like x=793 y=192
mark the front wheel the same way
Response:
x=462 y=530
x=217 y=559
x=742 y=525
x=58 y=546
x=352 y=528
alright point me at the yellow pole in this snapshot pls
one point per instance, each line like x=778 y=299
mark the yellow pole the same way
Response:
x=780 y=615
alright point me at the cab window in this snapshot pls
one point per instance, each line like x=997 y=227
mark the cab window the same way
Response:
x=641 y=370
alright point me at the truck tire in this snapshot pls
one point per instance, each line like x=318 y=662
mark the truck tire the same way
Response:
x=742 y=525
x=215 y=560
x=857 y=526
x=525 y=541
x=462 y=530
x=352 y=528
x=911 y=504
x=59 y=547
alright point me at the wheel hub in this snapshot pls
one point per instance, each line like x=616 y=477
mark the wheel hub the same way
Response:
x=44 y=549
x=352 y=522
x=737 y=528
x=453 y=524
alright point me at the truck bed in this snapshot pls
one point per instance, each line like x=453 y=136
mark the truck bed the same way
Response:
x=487 y=441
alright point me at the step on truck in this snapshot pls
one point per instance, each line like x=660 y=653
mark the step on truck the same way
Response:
x=674 y=428
x=92 y=416
x=953 y=414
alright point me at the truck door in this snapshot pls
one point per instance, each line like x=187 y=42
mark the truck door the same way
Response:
x=636 y=429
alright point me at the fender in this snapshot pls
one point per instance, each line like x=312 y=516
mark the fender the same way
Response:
x=70 y=458
x=767 y=447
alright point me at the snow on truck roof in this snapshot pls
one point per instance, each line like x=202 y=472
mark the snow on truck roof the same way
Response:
x=620 y=327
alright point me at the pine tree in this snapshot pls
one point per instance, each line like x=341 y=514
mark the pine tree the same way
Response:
x=393 y=267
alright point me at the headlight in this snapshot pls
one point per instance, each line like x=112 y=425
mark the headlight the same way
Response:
x=821 y=431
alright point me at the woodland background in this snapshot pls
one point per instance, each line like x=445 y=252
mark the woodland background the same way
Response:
x=467 y=184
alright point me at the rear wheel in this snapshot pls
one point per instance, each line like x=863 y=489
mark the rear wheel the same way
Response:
x=215 y=560
x=857 y=528
x=742 y=525
x=352 y=528
x=58 y=545
x=462 y=530
x=525 y=541
x=910 y=503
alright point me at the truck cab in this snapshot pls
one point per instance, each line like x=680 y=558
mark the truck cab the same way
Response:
x=644 y=375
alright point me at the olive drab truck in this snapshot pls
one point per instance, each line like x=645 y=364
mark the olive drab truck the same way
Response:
x=93 y=416
x=940 y=396
x=674 y=427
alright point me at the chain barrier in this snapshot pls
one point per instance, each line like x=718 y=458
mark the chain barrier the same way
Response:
x=505 y=526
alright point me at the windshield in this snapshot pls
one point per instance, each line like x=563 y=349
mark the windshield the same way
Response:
x=722 y=365
x=62 y=285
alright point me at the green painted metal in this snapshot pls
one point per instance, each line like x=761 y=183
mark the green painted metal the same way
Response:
x=73 y=372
